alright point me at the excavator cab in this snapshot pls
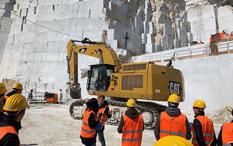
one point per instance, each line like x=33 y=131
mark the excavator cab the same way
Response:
x=99 y=77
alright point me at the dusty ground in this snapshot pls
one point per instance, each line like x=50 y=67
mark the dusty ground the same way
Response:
x=51 y=125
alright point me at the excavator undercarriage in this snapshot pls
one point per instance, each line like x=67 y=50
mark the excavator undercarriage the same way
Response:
x=149 y=110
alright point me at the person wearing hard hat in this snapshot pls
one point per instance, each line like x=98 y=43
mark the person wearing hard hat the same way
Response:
x=131 y=125
x=2 y=94
x=16 y=89
x=104 y=114
x=172 y=121
x=225 y=137
x=14 y=110
x=88 y=129
x=173 y=141
x=203 y=128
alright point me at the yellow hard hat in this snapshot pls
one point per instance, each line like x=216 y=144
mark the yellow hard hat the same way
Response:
x=199 y=103
x=16 y=102
x=173 y=141
x=174 y=98
x=131 y=103
x=18 y=86
x=2 y=89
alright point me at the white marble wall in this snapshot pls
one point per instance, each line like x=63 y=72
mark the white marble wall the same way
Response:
x=225 y=18
x=208 y=19
x=35 y=54
x=5 y=24
x=208 y=79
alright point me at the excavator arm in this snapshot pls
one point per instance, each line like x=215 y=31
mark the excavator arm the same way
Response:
x=95 y=49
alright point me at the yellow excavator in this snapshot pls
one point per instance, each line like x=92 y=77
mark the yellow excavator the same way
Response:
x=146 y=82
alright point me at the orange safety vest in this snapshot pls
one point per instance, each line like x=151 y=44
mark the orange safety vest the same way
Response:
x=207 y=130
x=172 y=125
x=86 y=131
x=7 y=129
x=132 y=131
x=103 y=117
x=227 y=133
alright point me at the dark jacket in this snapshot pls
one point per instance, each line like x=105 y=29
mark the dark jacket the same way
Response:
x=220 y=137
x=10 y=139
x=11 y=93
x=173 y=112
x=92 y=124
x=30 y=96
x=198 y=130
x=131 y=113
x=1 y=117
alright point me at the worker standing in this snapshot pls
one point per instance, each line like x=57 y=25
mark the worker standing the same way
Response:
x=60 y=96
x=172 y=121
x=203 y=128
x=14 y=110
x=131 y=125
x=88 y=131
x=30 y=96
x=225 y=137
x=103 y=113
x=2 y=94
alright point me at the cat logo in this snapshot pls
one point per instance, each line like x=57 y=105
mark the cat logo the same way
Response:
x=174 y=87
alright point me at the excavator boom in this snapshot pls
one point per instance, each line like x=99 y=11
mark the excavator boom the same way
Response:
x=95 y=49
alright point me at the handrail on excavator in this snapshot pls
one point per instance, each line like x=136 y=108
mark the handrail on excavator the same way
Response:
x=87 y=41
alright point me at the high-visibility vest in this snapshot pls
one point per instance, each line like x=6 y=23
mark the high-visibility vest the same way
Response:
x=7 y=129
x=172 y=125
x=103 y=117
x=86 y=131
x=132 y=131
x=227 y=133
x=207 y=131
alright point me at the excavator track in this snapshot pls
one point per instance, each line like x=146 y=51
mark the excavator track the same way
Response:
x=77 y=108
x=149 y=110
